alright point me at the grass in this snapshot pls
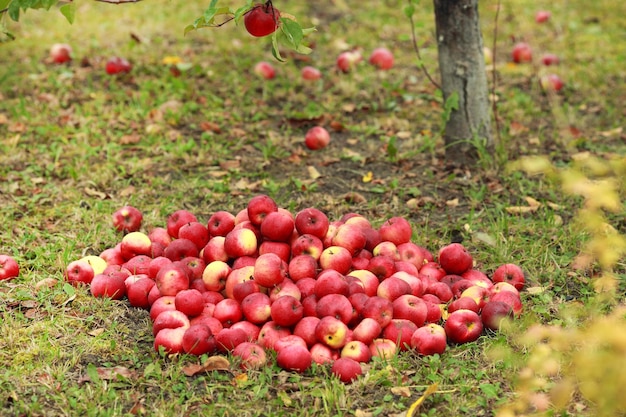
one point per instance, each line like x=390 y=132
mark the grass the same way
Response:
x=77 y=144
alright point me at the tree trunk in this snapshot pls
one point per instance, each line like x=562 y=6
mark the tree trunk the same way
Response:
x=463 y=77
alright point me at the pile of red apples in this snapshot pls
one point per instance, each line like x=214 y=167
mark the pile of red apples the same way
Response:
x=311 y=289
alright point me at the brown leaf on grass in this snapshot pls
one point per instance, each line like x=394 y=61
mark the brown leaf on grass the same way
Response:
x=109 y=374
x=336 y=126
x=313 y=172
x=517 y=128
x=32 y=313
x=138 y=407
x=125 y=192
x=214 y=363
x=230 y=164
x=92 y=192
x=129 y=139
x=96 y=332
x=613 y=132
x=520 y=209
x=45 y=283
x=3 y=119
x=354 y=198
x=210 y=127
x=452 y=203
x=401 y=391
x=238 y=133
x=17 y=127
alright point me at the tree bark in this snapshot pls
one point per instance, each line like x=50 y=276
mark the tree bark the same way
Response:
x=463 y=76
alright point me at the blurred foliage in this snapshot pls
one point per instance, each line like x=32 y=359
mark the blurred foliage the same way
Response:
x=573 y=364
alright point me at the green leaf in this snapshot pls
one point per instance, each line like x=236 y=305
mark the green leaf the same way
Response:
x=409 y=11
x=4 y=4
x=292 y=31
x=69 y=11
x=490 y=390
x=92 y=373
x=14 y=11
x=275 y=50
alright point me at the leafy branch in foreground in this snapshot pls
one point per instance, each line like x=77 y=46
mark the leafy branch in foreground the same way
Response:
x=569 y=364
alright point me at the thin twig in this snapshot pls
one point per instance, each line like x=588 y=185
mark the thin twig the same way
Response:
x=417 y=52
x=118 y=1
x=494 y=78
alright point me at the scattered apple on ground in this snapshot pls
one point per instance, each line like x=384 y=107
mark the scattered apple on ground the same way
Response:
x=521 y=53
x=382 y=58
x=9 y=267
x=117 y=65
x=265 y=70
x=316 y=138
x=339 y=293
x=60 y=53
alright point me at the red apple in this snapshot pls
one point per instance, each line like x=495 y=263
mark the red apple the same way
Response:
x=466 y=303
x=177 y=219
x=310 y=73
x=368 y=279
x=169 y=319
x=433 y=270
x=316 y=138
x=429 y=340
x=382 y=266
x=160 y=235
x=381 y=58
x=251 y=329
x=322 y=354
x=289 y=340
x=329 y=281
x=117 y=65
x=170 y=340
x=262 y=19
x=494 y=312
x=138 y=291
x=441 y=290
x=549 y=59
x=9 y=269
x=351 y=237
x=269 y=270
x=109 y=286
x=410 y=307
x=277 y=226
x=286 y=311
x=510 y=273
x=60 y=53
x=332 y=332
x=347 y=60
x=463 y=326
x=346 y=369
x=379 y=309
x=220 y=223
x=251 y=355
x=521 y=53
x=270 y=333
x=397 y=230
x=265 y=70
x=240 y=242
x=127 y=219
x=367 y=330
x=302 y=266
x=76 y=272
x=455 y=259
x=285 y=287
x=412 y=253
x=400 y=331
x=334 y=305
x=393 y=287
x=294 y=358
x=228 y=311
x=306 y=287
x=214 y=250
x=190 y=302
x=259 y=207
x=542 y=16
x=383 y=348
x=199 y=340
x=171 y=279
x=509 y=298
x=256 y=308
x=195 y=232
x=479 y=294
x=243 y=289
x=228 y=339
x=135 y=243
x=313 y=222
x=307 y=244
x=113 y=256
x=551 y=82
x=337 y=258
x=161 y=304
x=305 y=328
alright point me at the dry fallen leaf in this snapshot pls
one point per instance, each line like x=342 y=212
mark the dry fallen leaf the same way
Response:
x=401 y=391
x=214 y=363
x=368 y=177
x=521 y=209
x=313 y=172
x=411 y=411
x=96 y=332
x=130 y=139
x=452 y=203
x=92 y=192
x=108 y=374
